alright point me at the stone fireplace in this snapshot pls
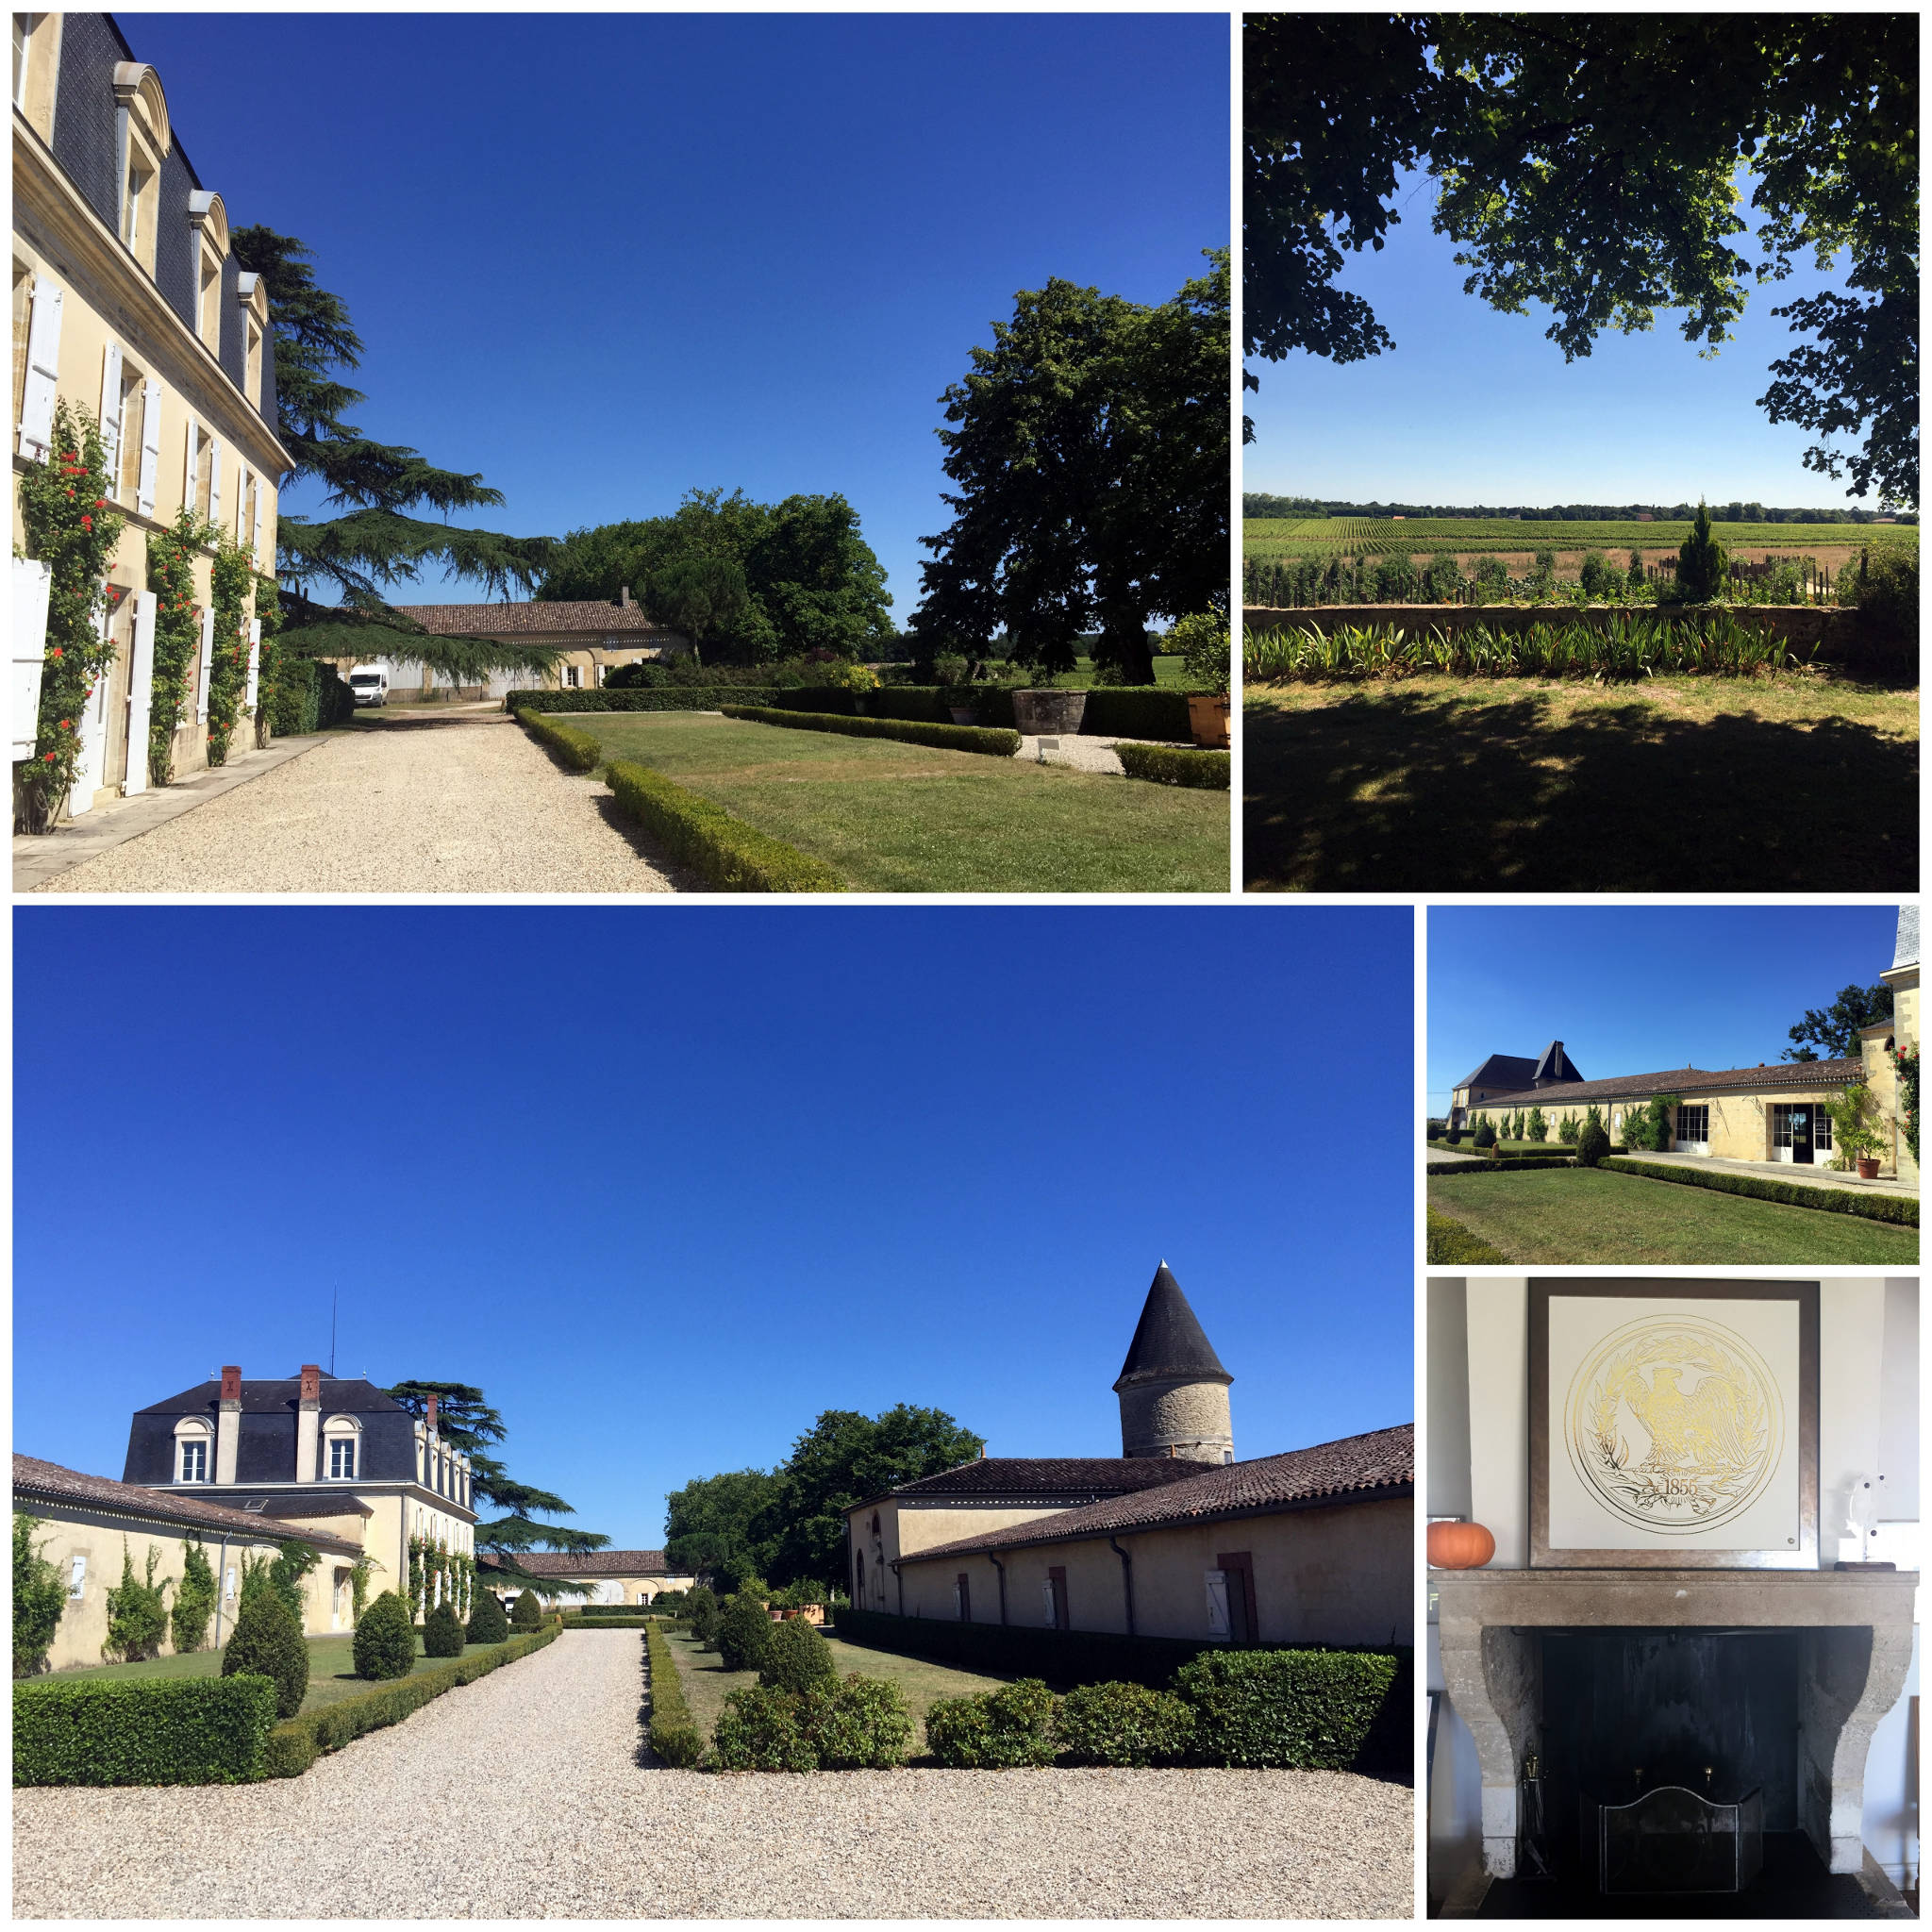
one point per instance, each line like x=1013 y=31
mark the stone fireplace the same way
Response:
x=1790 y=1714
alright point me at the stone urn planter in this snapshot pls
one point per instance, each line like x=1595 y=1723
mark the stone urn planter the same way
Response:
x=1207 y=721
x=964 y=714
x=1049 y=714
x=1868 y=1169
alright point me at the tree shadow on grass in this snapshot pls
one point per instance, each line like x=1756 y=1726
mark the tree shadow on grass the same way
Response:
x=1418 y=791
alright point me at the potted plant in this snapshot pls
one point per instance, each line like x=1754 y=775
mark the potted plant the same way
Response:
x=1857 y=1136
x=1208 y=663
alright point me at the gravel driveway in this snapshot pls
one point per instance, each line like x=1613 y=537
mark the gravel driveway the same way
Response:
x=456 y=801
x=519 y=1796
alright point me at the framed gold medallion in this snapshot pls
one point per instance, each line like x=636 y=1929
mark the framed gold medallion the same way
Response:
x=1674 y=1425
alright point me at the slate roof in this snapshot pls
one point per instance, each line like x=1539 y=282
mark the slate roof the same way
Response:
x=1043 y=1479
x=1500 y=1066
x=347 y=1396
x=1351 y=1470
x=1555 y=1064
x=596 y=1563
x=1687 y=1080
x=531 y=620
x=1168 y=1339
x=1906 y=951
x=32 y=1477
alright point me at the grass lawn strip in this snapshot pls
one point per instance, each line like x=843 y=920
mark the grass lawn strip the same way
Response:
x=706 y=1683
x=1579 y=1215
x=900 y=818
x=1452 y=784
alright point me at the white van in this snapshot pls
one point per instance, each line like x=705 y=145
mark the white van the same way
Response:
x=370 y=682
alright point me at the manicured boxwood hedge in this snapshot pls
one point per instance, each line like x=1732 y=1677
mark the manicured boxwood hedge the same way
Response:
x=1510 y=1163
x=979 y=738
x=576 y=1619
x=575 y=750
x=1297 y=1710
x=663 y=697
x=675 y=1735
x=1902 y=1208
x=732 y=855
x=307 y=697
x=143 y=1730
x=295 y=1746
x=1450 y=1242
x=1167 y=765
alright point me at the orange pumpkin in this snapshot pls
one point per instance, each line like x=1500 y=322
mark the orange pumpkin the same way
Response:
x=1459 y=1545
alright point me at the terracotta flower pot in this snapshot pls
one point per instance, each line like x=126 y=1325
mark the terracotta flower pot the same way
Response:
x=1459 y=1545
x=1868 y=1169
x=1049 y=714
x=1207 y=721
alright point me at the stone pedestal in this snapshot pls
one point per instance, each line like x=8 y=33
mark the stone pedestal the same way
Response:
x=1856 y=1651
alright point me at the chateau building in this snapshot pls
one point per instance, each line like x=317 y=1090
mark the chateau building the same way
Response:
x=129 y=302
x=600 y=1576
x=1174 y=1537
x=316 y=1453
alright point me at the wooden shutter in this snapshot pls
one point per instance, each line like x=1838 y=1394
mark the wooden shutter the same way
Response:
x=150 y=448
x=43 y=370
x=140 y=692
x=93 y=736
x=110 y=414
x=254 y=660
x=208 y=663
x=255 y=535
x=30 y=581
x=188 y=465
x=214 y=482
x=1217 y=1602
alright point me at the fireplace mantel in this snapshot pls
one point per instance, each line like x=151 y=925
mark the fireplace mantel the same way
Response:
x=1857 y=1650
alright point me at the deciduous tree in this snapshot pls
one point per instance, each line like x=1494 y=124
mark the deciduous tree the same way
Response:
x=1832 y=1032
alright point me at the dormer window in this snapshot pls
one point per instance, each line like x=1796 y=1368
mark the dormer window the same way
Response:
x=136 y=212
x=252 y=384
x=208 y=301
x=341 y=1459
x=193 y=1462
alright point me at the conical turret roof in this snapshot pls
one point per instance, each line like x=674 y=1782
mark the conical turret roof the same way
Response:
x=1168 y=1339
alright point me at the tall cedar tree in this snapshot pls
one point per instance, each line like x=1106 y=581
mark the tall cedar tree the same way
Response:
x=1587 y=163
x=1834 y=1028
x=1091 y=454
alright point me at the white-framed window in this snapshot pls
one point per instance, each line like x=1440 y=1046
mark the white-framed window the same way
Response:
x=1820 y=1130
x=194 y=1460
x=23 y=316
x=252 y=386
x=1780 y=1125
x=208 y=300
x=77 y=1578
x=1693 y=1125
x=341 y=1459
x=573 y=677
x=24 y=25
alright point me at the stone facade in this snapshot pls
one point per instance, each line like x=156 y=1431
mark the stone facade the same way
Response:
x=1181 y=1418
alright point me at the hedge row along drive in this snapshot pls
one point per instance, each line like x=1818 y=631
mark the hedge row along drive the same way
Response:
x=979 y=738
x=1898 y=1207
x=142 y=1731
x=675 y=1735
x=575 y=750
x=732 y=855
x=1173 y=764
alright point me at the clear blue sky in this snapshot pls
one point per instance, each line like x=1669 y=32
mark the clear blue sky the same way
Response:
x=605 y=259
x=667 y=1184
x=1639 y=988
x=1476 y=406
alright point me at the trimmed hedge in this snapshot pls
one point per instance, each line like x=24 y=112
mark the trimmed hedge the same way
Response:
x=575 y=750
x=1140 y=711
x=489 y=1621
x=1449 y=1241
x=688 y=697
x=442 y=1632
x=307 y=697
x=295 y=1746
x=675 y=1735
x=728 y=852
x=385 y=1641
x=1015 y=1650
x=1900 y=1209
x=1167 y=764
x=1507 y=1164
x=1288 y=1709
x=576 y=1620
x=1123 y=1725
x=143 y=1730
x=997 y=1730
x=976 y=737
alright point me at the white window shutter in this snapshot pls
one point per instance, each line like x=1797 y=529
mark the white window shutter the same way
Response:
x=42 y=371
x=188 y=467
x=254 y=660
x=150 y=448
x=214 y=482
x=255 y=535
x=141 y=691
x=30 y=583
x=208 y=663
x=1052 y=1612
x=93 y=735
x=110 y=413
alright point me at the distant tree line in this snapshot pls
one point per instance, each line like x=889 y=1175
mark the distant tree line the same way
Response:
x=1257 y=504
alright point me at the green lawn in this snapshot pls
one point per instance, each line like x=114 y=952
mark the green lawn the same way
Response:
x=331 y=1669
x=1680 y=784
x=1582 y=1215
x=901 y=818
x=706 y=1683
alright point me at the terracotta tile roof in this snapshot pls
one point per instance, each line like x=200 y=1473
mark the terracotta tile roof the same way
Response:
x=531 y=620
x=598 y=1563
x=1044 y=1478
x=1330 y=1472
x=1780 y=1073
x=32 y=1477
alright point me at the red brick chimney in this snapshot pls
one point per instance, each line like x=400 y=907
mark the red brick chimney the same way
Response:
x=228 y=1425
x=312 y=1382
x=431 y=1418
x=231 y=1384
x=309 y=1423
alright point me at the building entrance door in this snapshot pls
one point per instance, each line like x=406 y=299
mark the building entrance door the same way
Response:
x=1801 y=1136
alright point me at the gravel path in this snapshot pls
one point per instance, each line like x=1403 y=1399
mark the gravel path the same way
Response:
x=460 y=802
x=1081 y=752
x=520 y=1797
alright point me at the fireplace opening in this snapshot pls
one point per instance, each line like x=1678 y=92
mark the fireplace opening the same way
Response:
x=1666 y=1757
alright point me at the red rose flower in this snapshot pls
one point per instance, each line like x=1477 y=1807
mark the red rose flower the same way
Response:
x=57 y=652
x=49 y=758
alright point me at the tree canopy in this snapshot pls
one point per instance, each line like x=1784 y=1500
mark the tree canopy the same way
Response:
x=709 y=1525
x=1831 y=1032
x=811 y=580
x=1091 y=453
x=1593 y=162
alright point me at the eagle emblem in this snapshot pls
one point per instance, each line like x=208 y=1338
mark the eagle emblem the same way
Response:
x=1674 y=1427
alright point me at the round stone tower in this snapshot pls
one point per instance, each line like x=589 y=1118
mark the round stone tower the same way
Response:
x=1173 y=1388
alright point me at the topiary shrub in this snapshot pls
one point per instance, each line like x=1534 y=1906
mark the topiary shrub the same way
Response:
x=796 y=1658
x=268 y=1643
x=488 y=1622
x=863 y=1726
x=1454 y=1137
x=1285 y=1709
x=996 y=1731
x=1485 y=1135
x=744 y=1633
x=761 y=1730
x=385 y=1642
x=1123 y=1723
x=1592 y=1143
x=701 y=1614
x=528 y=1612
x=443 y=1633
